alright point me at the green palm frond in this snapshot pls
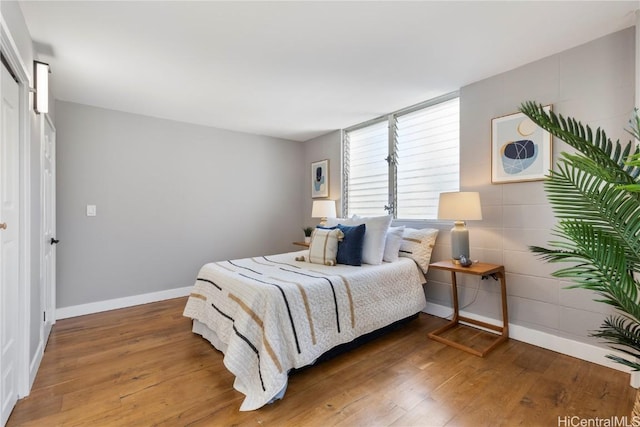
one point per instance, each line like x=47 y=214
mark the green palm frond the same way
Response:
x=634 y=125
x=597 y=146
x=633 y=161
x=596 y=262
x=578 y=194
x=623 y=335
x=595 y=194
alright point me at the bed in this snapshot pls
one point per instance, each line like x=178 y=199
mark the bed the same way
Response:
x=272 y=314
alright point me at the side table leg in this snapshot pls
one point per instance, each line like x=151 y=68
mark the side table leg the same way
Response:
x=454 y=292
x=505 y=314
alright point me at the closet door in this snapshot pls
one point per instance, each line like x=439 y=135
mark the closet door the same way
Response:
x=9 y=243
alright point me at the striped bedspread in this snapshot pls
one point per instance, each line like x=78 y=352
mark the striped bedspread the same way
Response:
x=270 y=314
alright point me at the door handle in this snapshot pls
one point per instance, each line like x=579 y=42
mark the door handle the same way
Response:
x=54 y=241
x=3 y=226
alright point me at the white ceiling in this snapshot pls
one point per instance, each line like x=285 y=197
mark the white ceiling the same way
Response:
x=296 y=69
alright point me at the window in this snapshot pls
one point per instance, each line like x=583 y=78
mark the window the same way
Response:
x=402 y=162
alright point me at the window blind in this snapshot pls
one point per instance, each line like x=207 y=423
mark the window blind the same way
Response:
x=366 y=170
x=427 y=158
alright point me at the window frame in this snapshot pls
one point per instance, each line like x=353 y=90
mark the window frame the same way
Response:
x=390 y=118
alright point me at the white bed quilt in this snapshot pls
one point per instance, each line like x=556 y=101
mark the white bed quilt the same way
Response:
x=270 y=314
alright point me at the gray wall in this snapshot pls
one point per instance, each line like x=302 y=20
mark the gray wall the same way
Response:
x=170 y=197
x=593 y=82
x=321 y=148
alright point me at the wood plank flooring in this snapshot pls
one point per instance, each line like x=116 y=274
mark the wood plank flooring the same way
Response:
x=142 y=366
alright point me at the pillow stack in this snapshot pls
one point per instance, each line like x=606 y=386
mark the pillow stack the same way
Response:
x=369 y=240
x=374 y=237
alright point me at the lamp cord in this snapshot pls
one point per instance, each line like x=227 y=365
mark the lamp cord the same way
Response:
x=475 y=296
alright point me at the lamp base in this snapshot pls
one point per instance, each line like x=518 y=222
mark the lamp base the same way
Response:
x=459 y=241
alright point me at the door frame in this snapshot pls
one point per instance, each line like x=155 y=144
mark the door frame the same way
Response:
x=47 y=296
x=13 y=57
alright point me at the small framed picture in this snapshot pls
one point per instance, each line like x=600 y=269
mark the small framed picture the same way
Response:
x=520 y=149
x=320 y=179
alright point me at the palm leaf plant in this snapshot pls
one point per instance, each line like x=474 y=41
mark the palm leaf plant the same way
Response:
x=595 y=195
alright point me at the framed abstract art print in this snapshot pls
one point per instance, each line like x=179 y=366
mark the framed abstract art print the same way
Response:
x=320 y=179
x=520 y=149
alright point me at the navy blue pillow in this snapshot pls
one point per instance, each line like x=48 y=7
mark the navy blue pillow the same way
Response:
x=350 y=248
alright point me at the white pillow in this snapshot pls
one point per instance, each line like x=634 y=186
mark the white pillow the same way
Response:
x=323 y=248
x=392 y=243
x=375 y=236
x=417 y=244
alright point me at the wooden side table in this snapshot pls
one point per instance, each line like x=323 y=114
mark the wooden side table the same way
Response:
x=305 y=244
x=478 y=269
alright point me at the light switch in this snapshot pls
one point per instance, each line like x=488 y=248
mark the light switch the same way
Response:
x=91 y=210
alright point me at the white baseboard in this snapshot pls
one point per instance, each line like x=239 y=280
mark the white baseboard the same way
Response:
x=34 y=365
x=579 y=350
x=114 y=304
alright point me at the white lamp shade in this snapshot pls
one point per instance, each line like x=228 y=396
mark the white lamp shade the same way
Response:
x=460 y=206
x=42 y=87
x=323 y=209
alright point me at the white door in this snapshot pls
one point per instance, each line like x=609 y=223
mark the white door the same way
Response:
x=9 y=243
x=48 y=226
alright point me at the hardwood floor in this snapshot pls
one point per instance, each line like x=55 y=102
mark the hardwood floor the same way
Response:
x=142 y=366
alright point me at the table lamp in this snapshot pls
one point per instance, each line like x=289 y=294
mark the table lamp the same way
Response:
x=323 y=209
x=460 y=207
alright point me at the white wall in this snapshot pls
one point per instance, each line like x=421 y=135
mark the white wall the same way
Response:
x=170 y=197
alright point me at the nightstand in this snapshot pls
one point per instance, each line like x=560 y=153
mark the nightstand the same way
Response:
x=305 y=244
x=478 y=269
